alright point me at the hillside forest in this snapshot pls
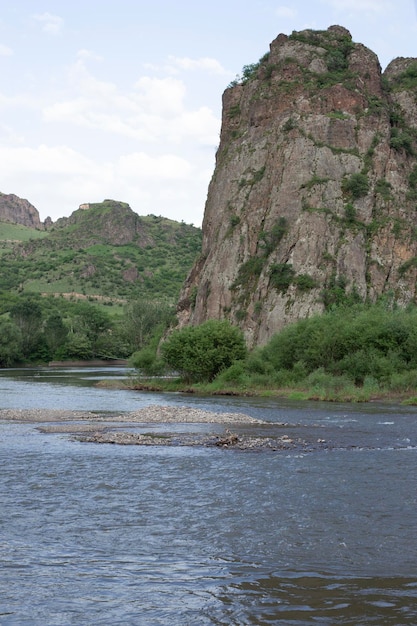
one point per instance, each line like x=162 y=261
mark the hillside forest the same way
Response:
x=95 y=285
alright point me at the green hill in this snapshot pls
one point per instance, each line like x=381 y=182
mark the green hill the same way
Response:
x=103 y=251
x=14 y=233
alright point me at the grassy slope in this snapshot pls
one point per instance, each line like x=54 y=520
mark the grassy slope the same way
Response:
x=79 y=257
x=10 y=234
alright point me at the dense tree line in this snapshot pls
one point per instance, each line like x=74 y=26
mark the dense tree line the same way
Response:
x=34 y=329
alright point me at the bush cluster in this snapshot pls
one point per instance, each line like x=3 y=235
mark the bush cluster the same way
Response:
x=357 y=342
x=350 y=352
x=199 y=353
x=357 y=185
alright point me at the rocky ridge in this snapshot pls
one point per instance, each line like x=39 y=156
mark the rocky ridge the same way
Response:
x=19 y=211
x=314 y=194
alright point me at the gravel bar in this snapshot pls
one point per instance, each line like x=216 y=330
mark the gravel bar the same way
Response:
x=149 y=414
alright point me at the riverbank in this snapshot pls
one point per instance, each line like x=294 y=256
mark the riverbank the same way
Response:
x=349 y=393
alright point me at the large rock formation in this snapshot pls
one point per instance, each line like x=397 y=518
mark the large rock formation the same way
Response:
x=18 y=211
x=314 y=194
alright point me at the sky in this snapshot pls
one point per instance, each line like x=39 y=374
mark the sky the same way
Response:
x=122 y=99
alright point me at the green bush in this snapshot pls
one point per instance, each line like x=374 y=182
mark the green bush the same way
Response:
x=356 y=185
x=320 y=379
x=350 y=214
x=255 y=364
x=147 y=362
x=249 y=271
x=383 y=187
x=369 y=361
x=281 y=276
x=359 y=342
x=335 y=293
x=199 y=353
x=408 y=79
x=337 y=60
x=305 y=282
x=235 y=375
x=412 y=180
x=400 y=382
x=269 y=240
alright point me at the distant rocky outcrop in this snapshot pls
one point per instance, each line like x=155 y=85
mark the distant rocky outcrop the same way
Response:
x=111 y=221
x=314 y=194
x=18 y=211
x=105 y=251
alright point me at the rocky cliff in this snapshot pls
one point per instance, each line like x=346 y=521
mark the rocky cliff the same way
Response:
x=18 y=211
x=314 y=195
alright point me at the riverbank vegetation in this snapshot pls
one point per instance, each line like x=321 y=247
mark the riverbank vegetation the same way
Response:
x=349 y=353
x=36 y=330
x=352 y=353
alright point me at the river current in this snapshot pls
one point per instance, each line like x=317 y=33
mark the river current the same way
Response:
x=175 y=536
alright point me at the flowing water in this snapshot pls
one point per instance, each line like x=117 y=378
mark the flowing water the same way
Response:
x=103 y=534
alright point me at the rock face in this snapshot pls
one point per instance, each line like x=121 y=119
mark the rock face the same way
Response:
x=111 y=222
x=18 y=211
x=314 y=195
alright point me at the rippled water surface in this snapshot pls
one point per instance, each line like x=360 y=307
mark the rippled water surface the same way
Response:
x=102 y=534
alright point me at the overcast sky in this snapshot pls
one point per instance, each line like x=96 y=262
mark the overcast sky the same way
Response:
x=121 y=99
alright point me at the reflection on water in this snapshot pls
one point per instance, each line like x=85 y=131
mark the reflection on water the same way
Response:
x=175 y=536
x=310 y=598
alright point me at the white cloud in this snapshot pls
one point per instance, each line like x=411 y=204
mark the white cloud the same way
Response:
x=19 y=101
x=88 y=55
x=206 y=64
x=58 y=179
x=5 y=51
x=53 y=160
x=200 y=124
x=361 y=6
x=9 y=135
x=176 y=65
x=142 y=166
x=144 y=143
x=161 y=96
x=51 y=24
x=154 y=110
x=285 y=12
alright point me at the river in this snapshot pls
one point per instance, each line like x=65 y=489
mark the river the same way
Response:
x=175 y=536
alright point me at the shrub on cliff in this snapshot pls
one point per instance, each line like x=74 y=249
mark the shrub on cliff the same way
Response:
x=199 y=353
x=356 y=185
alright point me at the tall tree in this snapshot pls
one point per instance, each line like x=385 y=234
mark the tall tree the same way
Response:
x=55 y=332
x=27 y=315
x=10 y=343
x=142 y=317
